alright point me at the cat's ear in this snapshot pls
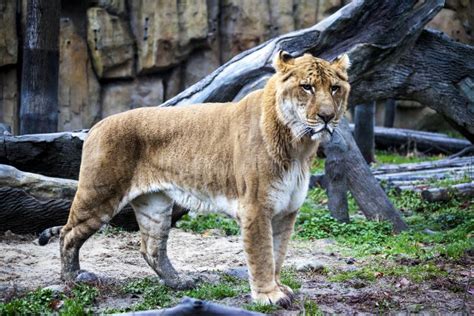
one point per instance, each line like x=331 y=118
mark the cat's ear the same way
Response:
x=342 y=62
x=283 y=60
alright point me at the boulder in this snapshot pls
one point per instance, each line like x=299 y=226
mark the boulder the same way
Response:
x=174 y=82
x=244 y=24
x=281 y=17
x=166 y=32
x=110 y=43
x=117 y=7
x=122 y=96
x=451 y=23
x=199 y=65
x=465 y=13
x=9 y=98
x=79 y=89
x=306 y=13
x=8 y=36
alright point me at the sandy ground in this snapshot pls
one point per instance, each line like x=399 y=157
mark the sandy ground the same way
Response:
x=24 y=265
x=27 y=265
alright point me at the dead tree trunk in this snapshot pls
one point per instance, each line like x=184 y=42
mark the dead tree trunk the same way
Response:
x=389 y=112
x=335 y=180
x=40 y=68
x=365 y=189
x=364 y=123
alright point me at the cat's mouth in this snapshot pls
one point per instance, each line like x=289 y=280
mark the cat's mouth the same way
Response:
x=317 y=132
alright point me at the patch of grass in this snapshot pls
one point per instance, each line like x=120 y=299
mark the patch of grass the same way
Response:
x=318 y=165
x=311 y=308
x=201 y=223
x=289 y=278
x=86 y=294
x=435 y=228
x=154 y=294
x=36 y=302
x=261 y=308
x=209 y=291
x=315 y=222
x=384 y=157
x=417 y=273
x=110 y=230
x=41 y=302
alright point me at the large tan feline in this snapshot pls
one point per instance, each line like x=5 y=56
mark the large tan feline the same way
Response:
x=248 y=159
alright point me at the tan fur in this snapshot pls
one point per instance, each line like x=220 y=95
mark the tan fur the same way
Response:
x=249 y=159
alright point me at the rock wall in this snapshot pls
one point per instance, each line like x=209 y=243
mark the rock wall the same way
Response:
x=121 y=54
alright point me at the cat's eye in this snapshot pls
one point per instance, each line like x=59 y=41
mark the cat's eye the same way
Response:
x=334 y=89
x=307 y=87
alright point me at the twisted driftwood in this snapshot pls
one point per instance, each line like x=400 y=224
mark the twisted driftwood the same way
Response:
x=387 y=55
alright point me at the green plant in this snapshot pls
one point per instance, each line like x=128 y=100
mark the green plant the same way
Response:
x=289 y=278
x=40 y=302
x=201 y=223
x=209 y=291
x=311 y=308
x=385 y=157
x=154 y=294
x=261 y=308
x=33 y=303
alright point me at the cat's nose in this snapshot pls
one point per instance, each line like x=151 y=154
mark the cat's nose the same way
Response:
x=326 y=117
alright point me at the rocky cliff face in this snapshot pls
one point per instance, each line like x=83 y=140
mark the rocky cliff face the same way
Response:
x=121 y=54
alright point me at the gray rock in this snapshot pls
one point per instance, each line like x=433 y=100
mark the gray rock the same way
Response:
x=87 y=277
x=240 y=273
x=309 y=266
x=56 y=288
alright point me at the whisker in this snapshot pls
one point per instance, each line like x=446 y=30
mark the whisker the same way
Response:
x=300 y=135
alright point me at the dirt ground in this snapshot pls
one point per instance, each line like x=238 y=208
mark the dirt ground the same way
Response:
x=24 y=265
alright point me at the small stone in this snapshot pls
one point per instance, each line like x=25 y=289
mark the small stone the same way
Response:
x=351 y=268
x=429 y=231
x=240 y=273
x=309 y=266
x=56 y=288
x=350 y=261
x=87 y=277
x=329 y=241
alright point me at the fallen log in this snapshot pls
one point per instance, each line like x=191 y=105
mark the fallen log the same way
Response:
x=38 y=186
x=415 y=176
x=426 y=165
x=30 y=203
x=54 y=155
x=409 y=140
x=193 y=307
x=444 y=194
x=22 y=213
x=436 y=174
